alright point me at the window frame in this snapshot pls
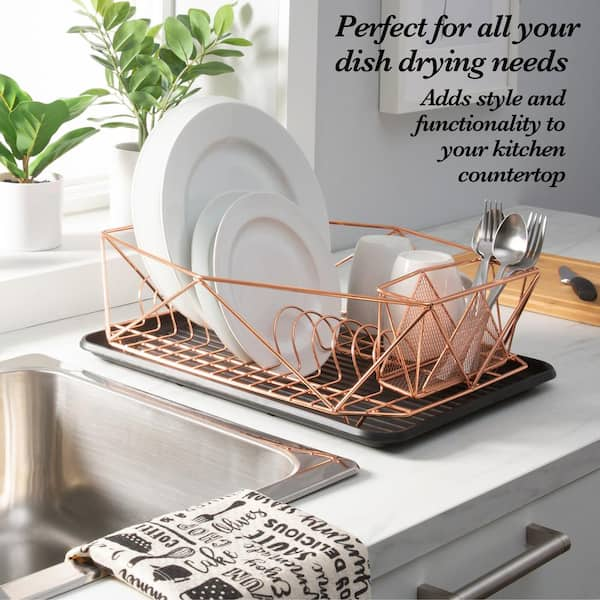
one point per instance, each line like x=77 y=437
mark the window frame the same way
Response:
x=92 y=193
x=169 y=9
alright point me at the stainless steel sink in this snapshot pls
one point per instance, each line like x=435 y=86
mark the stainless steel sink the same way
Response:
x=81 y=456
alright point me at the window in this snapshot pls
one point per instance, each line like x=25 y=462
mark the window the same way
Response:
x=261 y=76
x=47 y=62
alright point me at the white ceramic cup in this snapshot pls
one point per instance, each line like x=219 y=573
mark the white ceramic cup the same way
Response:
x=446 y=282
x=372 y=266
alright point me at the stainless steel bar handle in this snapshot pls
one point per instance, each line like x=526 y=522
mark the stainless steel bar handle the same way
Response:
x=544 y=545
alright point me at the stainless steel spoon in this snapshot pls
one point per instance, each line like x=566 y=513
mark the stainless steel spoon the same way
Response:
x=510 y=243
x=536 y=233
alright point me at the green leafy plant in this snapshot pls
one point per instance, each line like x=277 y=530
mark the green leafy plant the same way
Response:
x=149 y=76
x=28 y=128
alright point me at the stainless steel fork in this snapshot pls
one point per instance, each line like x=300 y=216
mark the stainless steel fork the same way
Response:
x=483 y=239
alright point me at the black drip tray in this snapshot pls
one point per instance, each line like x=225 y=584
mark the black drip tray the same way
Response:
x=374 y=431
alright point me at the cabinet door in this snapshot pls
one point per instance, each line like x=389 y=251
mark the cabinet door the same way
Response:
x=573 y=510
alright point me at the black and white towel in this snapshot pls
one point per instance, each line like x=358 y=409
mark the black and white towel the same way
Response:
x=243 y=546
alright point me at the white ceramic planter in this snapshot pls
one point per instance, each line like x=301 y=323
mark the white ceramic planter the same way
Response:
x=30 y=214
x=124 y=160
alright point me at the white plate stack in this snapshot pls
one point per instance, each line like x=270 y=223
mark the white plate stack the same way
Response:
x=223 y=190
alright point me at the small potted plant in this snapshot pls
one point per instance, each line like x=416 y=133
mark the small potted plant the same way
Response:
x=30 y=202
x=147 y=76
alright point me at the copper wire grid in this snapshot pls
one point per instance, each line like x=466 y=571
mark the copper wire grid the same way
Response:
x=415 y=358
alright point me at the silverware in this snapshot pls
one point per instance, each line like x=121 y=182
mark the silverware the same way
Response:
x=537 y=225
x=510 y=243
x=483 y=244
x=483 y=239
x=583 y=287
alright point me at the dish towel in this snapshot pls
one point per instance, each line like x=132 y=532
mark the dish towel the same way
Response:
x=244 y=546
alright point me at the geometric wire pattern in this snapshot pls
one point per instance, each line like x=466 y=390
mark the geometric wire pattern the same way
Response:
x=396 y=368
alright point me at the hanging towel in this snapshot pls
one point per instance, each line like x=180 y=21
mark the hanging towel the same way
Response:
x=243 y=546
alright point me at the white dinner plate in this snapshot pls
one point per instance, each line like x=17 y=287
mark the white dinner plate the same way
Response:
x=199 y=151
x=202 y=264
x=263 y=237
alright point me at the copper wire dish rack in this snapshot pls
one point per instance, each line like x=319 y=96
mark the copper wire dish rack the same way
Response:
x=415 y=359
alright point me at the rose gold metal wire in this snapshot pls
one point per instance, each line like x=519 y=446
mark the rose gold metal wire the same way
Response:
x=368 y=374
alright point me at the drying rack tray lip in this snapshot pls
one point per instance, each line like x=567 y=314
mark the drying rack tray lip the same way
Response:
x=537 y=373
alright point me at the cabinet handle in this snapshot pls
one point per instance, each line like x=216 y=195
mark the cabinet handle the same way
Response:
x=543 y=544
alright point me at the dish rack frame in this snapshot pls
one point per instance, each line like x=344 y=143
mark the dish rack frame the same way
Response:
x=396 y=368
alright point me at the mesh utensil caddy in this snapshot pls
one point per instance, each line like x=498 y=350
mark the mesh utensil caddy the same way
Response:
x=416 y=358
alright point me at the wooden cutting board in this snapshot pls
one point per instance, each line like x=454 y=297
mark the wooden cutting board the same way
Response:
x=553 y=298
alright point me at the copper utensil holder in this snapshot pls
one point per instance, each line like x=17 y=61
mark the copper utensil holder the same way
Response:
x=415 y=350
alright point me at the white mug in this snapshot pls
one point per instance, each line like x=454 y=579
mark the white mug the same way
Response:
x=446 y=282
x=429 y=333
x=372 y=266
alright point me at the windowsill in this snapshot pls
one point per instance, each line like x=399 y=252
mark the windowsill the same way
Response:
x=81 y=244
x=40 y=287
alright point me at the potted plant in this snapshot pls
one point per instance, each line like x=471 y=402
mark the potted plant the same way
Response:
x=147 y=76
x=30 y=203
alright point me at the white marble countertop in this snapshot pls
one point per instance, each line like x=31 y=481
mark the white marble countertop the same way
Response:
x=410 y=500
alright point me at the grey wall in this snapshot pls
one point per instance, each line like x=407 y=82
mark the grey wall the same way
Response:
x=370 y=168
x=581 y=192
